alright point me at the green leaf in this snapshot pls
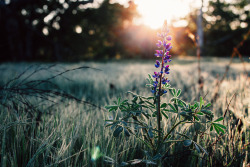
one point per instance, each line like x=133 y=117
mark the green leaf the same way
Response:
x=181 y=103
x=150 y=78
x=173 y=108
x=219 y=119
x=203 y=149
x=144 y=106
x=221 y=126
x=146 y=115
x=217 y=129
x=151 y=104
x=164 y=114
x=199 y=113
x=187 y=143
x=172 y=91
x=146 y=143
x=150 y=133
x=178 y=92
x=197 y=148
x=117 y=131
x=196 y=118
x=212 y=127
x=183 y=113
x=201 y=101
x=154 y=114
x=169 y=136
x=176 y=107
x=135 y=99
x=207 y=112
x=111 y=107
x=126 y=132
x=208 y=105
x=195 y=105
x=164 y=105
x=156 y=157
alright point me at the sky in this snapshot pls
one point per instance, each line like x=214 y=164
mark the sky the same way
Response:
x=154 y=12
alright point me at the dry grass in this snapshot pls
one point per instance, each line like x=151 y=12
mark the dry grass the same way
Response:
x=68 y=132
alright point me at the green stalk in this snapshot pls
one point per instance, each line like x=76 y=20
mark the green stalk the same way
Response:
x=172 y=130
x=159 y=104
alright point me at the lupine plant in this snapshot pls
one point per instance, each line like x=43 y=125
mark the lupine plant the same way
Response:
x=144 y=117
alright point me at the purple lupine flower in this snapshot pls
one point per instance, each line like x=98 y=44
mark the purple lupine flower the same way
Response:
x=159 y=53
x=168 y=56
x=165 y=58
x=164 y=81
x=157 y=64
x=165 y=91
x=156 y=75
x=167 y=69
x=159 y=43
x=155 y=83
x=167 y=46
x=169 y=38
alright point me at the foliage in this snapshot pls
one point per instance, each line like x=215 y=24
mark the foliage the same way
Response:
x=47 y=30
x=143 y=116
x=226 y=23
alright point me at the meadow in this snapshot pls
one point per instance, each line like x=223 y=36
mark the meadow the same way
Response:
x=62 y=131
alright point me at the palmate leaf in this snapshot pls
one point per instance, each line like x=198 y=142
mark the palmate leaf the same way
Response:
x=221 y=126
x=173 y=108
x=112 y=108
x=218 y=128
x=181 y=103
x=207 y=112
x=172 y=91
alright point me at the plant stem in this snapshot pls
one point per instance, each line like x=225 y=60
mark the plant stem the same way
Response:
x=172 y=130
x=159 y=103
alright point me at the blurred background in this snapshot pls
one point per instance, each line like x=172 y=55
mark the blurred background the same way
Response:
x=76 y=30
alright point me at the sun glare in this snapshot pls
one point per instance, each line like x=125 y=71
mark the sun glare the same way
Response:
x=154 y=12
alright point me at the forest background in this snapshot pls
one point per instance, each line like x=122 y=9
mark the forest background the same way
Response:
x=74 y=30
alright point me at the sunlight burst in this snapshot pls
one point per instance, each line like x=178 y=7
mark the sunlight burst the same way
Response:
x=154 y=12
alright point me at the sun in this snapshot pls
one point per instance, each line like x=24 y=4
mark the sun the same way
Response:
x=154 y=12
